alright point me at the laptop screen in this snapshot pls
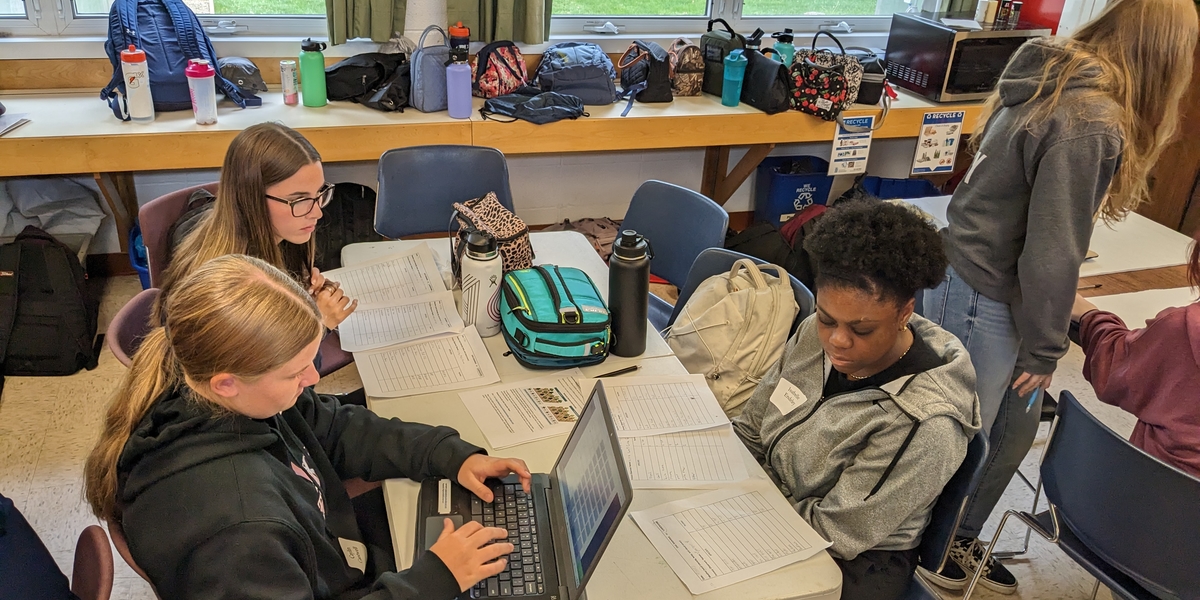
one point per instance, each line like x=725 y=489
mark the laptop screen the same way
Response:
x=590 y=484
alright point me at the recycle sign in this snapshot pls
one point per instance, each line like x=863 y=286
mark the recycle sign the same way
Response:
x=805 y=196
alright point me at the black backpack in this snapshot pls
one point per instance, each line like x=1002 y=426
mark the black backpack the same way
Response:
x=530 y=104
x=645 y=74
x=763 y=240
x=349 y=218
x=374 y=79
x=47 y=315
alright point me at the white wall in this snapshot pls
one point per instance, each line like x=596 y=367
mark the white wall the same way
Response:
x=551 y=187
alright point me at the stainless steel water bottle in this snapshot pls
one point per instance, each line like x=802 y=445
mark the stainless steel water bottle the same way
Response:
x=629 y=292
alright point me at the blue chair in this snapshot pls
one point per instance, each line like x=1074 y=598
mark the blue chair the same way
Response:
x=680 y=224
x=1128 y=518
x=417 y=185
x=715 y=261
x=948 y=513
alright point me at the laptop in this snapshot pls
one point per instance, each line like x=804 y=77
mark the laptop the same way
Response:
x=560 y=529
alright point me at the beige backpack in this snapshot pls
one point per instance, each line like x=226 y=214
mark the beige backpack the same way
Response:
x=733 y=329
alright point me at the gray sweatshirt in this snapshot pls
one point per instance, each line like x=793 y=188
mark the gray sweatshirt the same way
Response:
x=865 y=467
x=1021 y=221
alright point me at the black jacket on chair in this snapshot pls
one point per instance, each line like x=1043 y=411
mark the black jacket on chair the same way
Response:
x=225 y=506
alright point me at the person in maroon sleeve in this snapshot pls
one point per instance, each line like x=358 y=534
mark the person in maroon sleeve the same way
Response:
x=1152 y=372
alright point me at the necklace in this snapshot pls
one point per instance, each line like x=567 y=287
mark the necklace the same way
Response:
x=857 y=378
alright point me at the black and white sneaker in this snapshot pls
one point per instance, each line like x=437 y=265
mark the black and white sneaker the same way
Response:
x=966 y=553
x=950 y=577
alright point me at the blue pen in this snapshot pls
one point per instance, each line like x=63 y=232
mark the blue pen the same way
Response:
x=1033 y=398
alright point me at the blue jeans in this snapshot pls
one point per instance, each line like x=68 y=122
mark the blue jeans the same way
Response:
x=986 y=328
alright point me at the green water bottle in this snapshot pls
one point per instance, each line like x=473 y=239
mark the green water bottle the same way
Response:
x=312 y=73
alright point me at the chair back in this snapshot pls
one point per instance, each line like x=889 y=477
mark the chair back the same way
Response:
x=130 y=325
x=951 y=505
x=1137 y=513
x=92 y=575
x=155 y=218
x=679 y=223
x=417 y=185
x=715 y=261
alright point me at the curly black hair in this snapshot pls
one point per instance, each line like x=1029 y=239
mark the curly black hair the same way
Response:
x=882 y=248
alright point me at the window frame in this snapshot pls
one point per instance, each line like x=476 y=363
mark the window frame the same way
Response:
x=57 y=18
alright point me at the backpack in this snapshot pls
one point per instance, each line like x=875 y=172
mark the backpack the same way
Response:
x=733 y=328
x=767 y=83
x=715 y=46
x=764 y=241
x=349 y=218
x=645 y=74
x=498 y=69
x=687 y=68
x=47 y=315
x=600 y=232
x=429 y=73
x=200 y=202
x=170 y=34
x=580 y=69
x=374 y=79
x=554 y=318
x=533 y=105
x=486 y=214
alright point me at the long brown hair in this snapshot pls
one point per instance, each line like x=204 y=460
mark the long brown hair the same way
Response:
x=259 y=157
x=1194 y=263
x=1143 y=53
x=234 y=314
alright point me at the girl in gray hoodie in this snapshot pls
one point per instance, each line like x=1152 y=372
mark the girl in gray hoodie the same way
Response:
x=868 y=413
x=1068 y=137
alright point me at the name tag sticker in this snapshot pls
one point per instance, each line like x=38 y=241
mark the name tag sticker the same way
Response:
x=355 y=552
x=787 y=397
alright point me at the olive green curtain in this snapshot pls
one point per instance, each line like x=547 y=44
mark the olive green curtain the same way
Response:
x=523 y=21
x=375 y=19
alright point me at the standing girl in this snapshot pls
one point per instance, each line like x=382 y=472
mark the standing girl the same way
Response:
x=1069 y=135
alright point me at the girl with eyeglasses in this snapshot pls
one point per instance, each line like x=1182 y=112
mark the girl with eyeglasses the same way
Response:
x=268 y=203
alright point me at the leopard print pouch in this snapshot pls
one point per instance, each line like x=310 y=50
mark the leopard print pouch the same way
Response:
x=489 y=216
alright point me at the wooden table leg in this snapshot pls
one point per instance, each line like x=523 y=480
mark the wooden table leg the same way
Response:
x=122 y=201
x=719 y=184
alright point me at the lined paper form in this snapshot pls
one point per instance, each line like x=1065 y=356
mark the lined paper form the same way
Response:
x=651 y=405
x=400 y=321
x=433 y=365
x=687 y=459
x=729 y=535
x=534 y=409
x=404 y=275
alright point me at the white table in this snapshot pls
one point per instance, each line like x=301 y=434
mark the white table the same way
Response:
x=1135 y=244
x=631 y=567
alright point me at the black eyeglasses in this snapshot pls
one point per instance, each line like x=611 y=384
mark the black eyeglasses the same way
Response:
x=302 y=206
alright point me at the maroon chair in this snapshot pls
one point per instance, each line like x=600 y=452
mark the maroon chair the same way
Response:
x=92 y=575
x=130 y=325
x=155 y=218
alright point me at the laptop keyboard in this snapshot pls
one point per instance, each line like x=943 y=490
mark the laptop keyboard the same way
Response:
x=512 y=509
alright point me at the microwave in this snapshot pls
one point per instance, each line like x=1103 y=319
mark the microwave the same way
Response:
x=948 y=64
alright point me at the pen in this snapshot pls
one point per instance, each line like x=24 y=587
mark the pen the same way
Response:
x=1033 y=398
x=1095 y=286
x=620 y=371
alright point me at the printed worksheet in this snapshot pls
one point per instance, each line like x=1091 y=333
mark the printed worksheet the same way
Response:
x=652 y=405
x=400 y=321
x=729 y=535
x=433 y=365
x=528 y=410
x=403 y=275
x=688 y=459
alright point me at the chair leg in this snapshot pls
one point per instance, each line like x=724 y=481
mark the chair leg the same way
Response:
x=1029 y=520
x=1037 y=494
x=1095 y=589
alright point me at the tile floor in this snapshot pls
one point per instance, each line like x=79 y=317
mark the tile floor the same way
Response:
x=48 y=425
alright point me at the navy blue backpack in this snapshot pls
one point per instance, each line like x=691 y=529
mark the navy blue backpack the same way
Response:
x=170 y=34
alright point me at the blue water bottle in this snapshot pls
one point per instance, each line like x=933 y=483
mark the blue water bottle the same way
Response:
x=735 y=69
x=784 y=46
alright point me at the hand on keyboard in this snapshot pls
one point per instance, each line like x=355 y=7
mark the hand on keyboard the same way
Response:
x=468 y=553
x=479 y=467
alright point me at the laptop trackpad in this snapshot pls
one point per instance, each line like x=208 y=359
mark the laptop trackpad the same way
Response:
x=434 y=526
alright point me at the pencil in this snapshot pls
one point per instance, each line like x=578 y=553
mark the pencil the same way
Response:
x=620 y=371
x=1089 y=287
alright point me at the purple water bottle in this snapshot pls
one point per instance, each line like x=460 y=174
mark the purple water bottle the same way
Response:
x=458 y=73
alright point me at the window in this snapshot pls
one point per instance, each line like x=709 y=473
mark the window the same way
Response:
x=689 y=16
x=90 y=17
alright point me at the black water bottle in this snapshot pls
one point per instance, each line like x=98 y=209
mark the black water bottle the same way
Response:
x=629 y=292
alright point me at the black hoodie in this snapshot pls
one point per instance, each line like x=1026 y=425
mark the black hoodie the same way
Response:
x=218 y=506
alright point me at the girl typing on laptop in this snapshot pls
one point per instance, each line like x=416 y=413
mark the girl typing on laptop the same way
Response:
x=224 y=469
